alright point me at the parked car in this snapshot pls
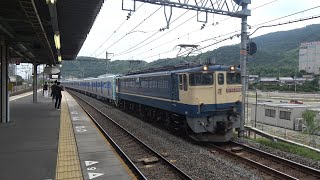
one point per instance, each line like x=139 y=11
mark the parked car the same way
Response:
x=295 y=101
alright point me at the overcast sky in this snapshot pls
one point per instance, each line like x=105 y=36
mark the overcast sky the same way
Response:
x=112 y=16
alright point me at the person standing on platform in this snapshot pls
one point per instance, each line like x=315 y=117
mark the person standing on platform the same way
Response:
x=53 y=90
x=58 y=95
x=45 y=90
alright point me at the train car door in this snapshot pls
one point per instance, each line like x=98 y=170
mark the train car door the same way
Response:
x=220 y=87
x=183 y=87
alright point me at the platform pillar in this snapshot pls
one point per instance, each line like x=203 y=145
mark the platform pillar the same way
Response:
x=35 y=83
x=5 y=116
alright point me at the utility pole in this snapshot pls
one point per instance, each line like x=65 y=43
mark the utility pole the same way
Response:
x=243 y=59
x=107 y=59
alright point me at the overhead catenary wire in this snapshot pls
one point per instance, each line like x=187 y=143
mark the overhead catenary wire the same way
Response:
x=265 y=4
x=124 y=52
x=235 y=35
x=130 y=49
x=115 y=31
x=130 y=31
x=299 y=12
x=288 y=22
x=272 y=25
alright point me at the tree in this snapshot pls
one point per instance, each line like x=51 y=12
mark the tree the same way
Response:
x=312 y=127
x=19 y=80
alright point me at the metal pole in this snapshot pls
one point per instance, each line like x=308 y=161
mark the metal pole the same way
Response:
x=42 y=79
x=35 y=88
x=255 y=114
x=5 y=116
x=247 y=97
x=295 y=82
x=243 y=57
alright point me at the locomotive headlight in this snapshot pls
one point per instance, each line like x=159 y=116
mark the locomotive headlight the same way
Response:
x=205 y=68
x=232 y=68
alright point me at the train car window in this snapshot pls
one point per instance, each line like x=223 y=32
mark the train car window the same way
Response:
x=200 y=79
x=185 y=83
x=101 y=85
x=180 y=82
x=233 y=78
x=220 y=78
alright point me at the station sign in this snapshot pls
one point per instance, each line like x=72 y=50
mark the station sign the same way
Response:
x=15 y=60
x=55 y=76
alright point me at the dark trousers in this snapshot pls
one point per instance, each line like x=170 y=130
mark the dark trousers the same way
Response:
x=53 y=95
x=58 y=101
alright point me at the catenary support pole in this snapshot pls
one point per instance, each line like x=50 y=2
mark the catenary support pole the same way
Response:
x=243 y=57
x=5 y=116
x=35 y=88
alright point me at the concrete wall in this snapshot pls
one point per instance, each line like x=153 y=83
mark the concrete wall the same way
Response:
x=296 y=112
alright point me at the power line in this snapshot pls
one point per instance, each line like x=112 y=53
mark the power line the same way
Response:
x=252 y=9
x=115 y=31
x=167 y=42
x=124 y=52
x=273 y=25
x=129 y=31
x=288 y=22
x=286 y=16
x=159 y=54
x=128 y=50
x=214 y=38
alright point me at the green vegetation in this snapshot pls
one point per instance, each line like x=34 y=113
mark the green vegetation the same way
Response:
x=294 y=149
x=309 y=86
x=19 y=80
x=312 y=126
x=277 y=54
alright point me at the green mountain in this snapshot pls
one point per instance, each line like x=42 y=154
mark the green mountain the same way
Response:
x=277 y=53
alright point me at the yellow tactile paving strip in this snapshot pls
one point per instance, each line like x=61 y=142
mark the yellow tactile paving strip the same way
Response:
x=68 y=163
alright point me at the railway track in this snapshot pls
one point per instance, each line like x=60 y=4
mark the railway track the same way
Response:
x=272 y=166
x=145 y=162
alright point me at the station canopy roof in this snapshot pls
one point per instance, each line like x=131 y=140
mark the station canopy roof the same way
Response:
x=34 y=29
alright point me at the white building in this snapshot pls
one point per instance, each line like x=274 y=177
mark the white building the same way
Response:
x=309 y=57
x=281 y=115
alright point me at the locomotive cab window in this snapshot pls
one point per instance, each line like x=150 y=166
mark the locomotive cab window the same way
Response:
x=233 y=78
x=185 y=83
x=220 y=79
x=200 y=79
x=180 y=82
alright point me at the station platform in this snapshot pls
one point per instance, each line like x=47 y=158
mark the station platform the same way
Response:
x=43 y=143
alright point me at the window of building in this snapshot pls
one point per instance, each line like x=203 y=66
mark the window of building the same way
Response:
x=285 y=115
x=200 y=79
x=270 y=113
x=233 y=78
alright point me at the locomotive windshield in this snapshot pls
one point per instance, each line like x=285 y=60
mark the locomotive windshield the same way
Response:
x=200 y=79
x=233 y=78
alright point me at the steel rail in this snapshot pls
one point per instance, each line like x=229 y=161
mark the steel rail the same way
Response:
x=292 y=164
x=126 y=158
x=266 y=169
x=269 y=170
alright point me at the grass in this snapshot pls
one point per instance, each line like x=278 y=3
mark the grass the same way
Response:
x=294 y=149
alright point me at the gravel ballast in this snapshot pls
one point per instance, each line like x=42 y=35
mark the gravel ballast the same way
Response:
x=192 y=158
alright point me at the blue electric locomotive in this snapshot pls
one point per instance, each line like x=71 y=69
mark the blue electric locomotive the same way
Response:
x=204 y=101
